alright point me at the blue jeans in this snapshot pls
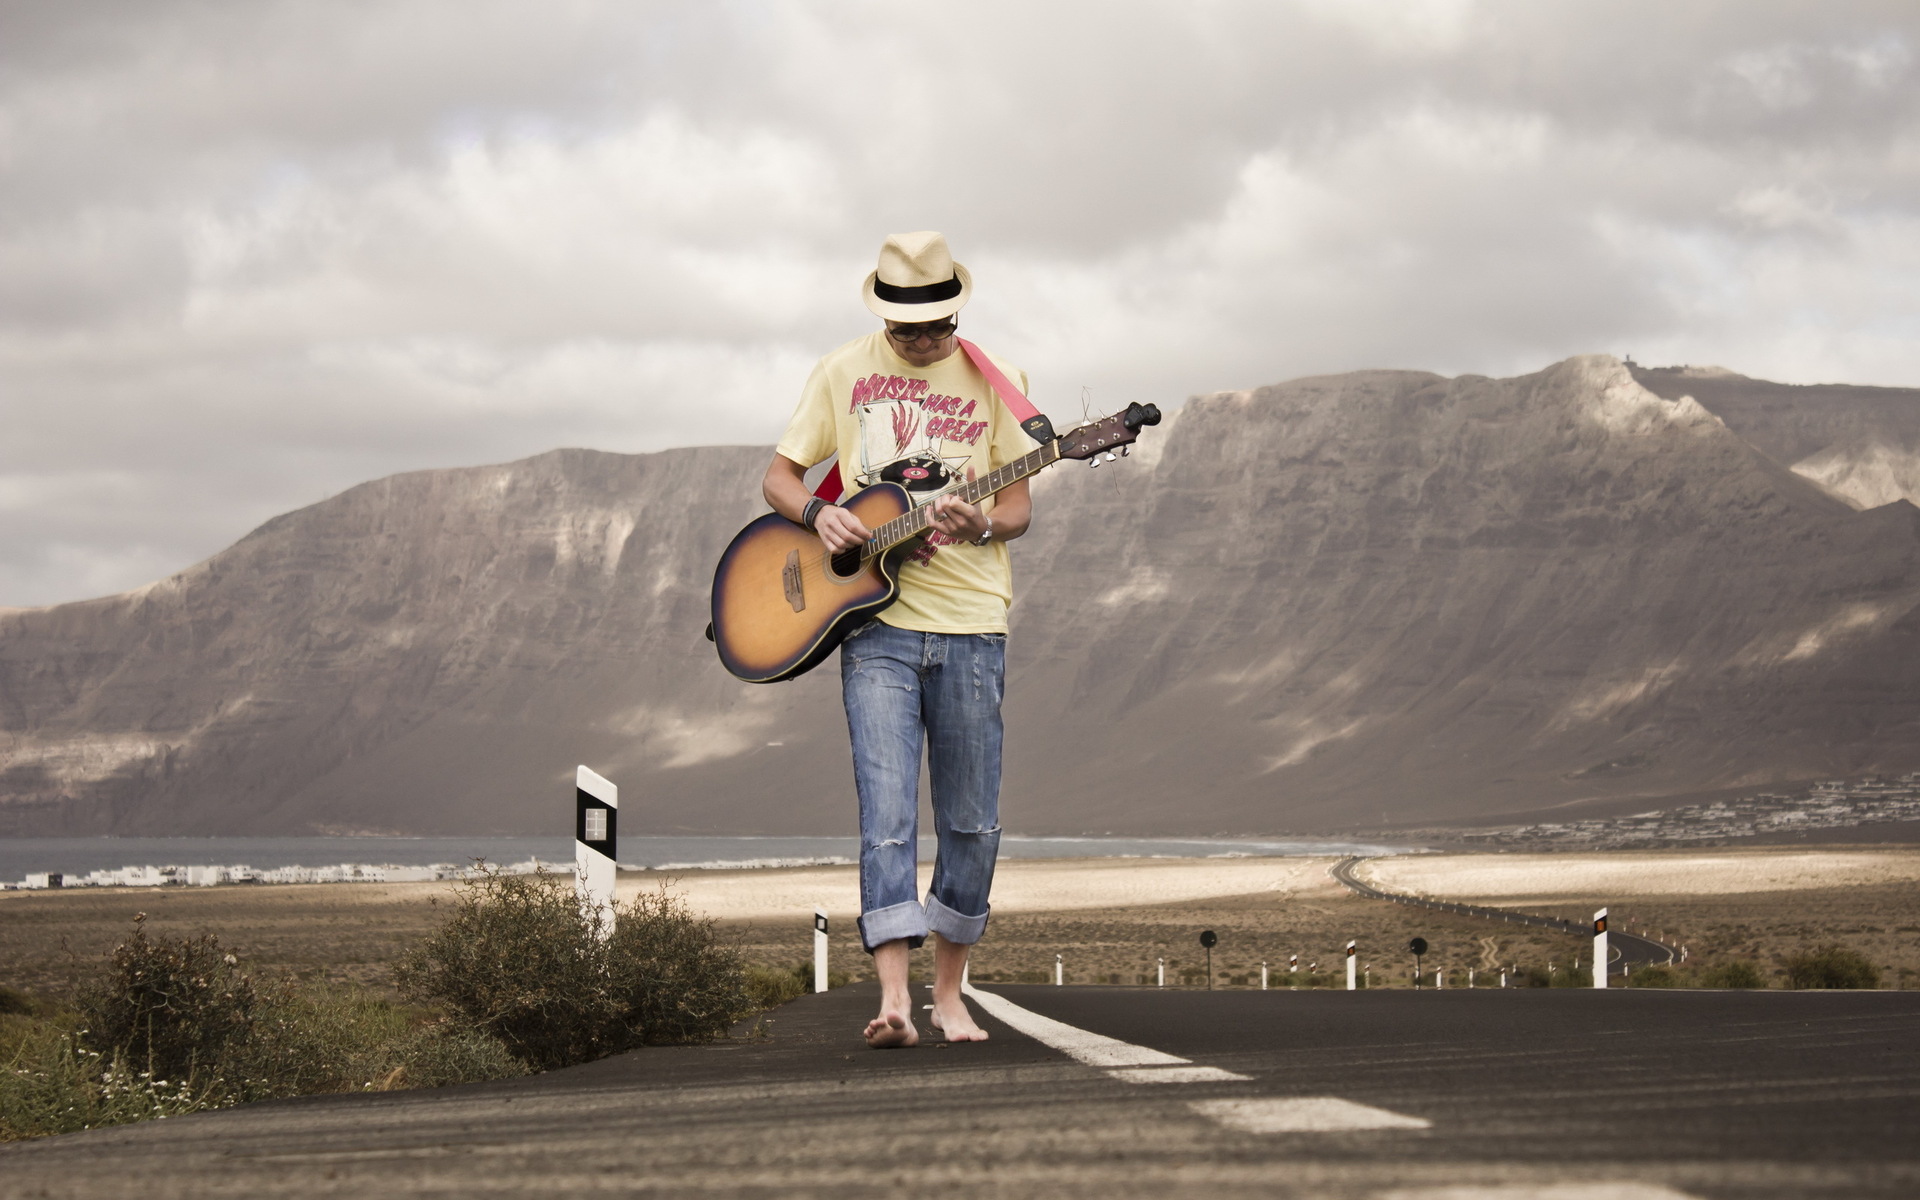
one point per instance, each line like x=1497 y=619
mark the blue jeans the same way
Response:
x=902 y=688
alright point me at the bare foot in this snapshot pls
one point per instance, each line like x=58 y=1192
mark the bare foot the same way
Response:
x=953 y=1020
x=891 y=1030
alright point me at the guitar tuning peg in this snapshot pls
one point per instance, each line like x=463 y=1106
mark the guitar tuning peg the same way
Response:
x=1123 y=451
x=1094 y=461
x=1111 y=456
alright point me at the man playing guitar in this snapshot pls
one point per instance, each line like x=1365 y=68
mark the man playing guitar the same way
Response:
x=901 y=404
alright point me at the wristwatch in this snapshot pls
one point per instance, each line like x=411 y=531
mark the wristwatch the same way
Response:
x=986 y=537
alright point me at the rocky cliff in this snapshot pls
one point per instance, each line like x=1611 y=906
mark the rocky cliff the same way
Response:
x=1346 y=601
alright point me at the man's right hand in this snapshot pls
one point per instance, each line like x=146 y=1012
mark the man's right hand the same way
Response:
x=839 y=529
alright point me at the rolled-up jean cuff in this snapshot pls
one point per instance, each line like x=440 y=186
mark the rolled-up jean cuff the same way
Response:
x=903 y=920
x=958 y=929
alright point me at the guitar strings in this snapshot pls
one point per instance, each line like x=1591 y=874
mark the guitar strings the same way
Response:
x=818 y=566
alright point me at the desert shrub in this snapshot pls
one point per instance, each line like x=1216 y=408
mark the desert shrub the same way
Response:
x=770 y=987
x=446 y=1052
x=170 y=1006
x=522 y=961
x=1831 y=967
x=1658 y=976
x=308 y=1041
x=53 y=1083
x=680 y=982
x=1734 y=973
x=16 y=1003
x=1533 y=977
x=170 y=1026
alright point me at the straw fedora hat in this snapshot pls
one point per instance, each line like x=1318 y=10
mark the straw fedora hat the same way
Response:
x=917 y=279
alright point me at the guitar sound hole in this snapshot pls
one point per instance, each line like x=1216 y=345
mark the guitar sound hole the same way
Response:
x=846 y=564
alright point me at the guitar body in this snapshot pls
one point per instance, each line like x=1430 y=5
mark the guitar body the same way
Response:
x=780 y=606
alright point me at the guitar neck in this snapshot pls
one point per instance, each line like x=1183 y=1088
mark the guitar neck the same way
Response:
x=916 y=522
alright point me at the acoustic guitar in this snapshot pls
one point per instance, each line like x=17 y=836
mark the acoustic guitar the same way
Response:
x=781 y=603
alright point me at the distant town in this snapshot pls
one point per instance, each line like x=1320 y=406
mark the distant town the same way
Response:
x=1831 y=804
x=202 y=876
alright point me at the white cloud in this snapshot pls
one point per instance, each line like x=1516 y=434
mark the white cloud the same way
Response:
x=251 y=255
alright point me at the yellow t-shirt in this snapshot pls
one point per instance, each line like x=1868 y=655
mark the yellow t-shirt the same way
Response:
x=929 y=429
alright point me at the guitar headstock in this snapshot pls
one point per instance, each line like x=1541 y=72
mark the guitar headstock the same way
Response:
x=1109 y=433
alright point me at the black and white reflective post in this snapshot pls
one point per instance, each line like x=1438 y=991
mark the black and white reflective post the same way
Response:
x=1162 y=974
x=596 y=805
x=819 y=949
x=1263 y=976
x=1293 y=970
x=1059 y=971
x=1209 y=939
x=1600 y=949
x=1353 y=967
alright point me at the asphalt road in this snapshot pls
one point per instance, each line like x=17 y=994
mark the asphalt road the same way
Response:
x=1570 y=1094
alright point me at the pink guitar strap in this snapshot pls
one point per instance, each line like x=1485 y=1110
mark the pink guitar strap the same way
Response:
x=1031 y=419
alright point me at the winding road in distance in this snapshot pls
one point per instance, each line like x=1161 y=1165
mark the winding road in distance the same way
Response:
x=1623 y=948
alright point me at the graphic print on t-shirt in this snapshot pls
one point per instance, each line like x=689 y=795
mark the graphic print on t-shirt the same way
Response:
x=906 y=428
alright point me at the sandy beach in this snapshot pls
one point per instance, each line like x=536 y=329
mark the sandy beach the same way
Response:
x=1019 y=885
x=1508 y=879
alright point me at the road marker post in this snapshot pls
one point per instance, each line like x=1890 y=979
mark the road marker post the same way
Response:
x=1059 y=971
x=1163 y=974
x=1439 y=978
x=1599 y=949
x=819 y=950
x=1263 y=976
x=1469 y=977
x=596 y=807
x=1353 y=965
x=1293 y=970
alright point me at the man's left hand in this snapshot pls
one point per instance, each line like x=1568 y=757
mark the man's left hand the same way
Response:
x=957 y=519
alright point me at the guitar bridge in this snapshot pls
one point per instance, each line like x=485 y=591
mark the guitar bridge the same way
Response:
x=790 y=580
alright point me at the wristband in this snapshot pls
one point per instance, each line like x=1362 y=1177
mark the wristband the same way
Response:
x=811 y=513
x=986 y=537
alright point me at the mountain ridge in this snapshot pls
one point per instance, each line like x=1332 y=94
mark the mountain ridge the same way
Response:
x=1377 y=598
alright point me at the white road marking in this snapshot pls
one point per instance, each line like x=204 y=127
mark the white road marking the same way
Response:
x=1551 y=1191
x=1095 y=1049
x=1175 y=1075
x=1303 y=1114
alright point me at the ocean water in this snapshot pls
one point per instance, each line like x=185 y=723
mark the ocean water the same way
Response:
x=78 y=856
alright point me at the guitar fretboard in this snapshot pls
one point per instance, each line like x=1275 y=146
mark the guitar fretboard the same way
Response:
x=919 y=520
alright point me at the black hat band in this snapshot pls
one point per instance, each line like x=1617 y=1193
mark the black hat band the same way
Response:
x=926 y=294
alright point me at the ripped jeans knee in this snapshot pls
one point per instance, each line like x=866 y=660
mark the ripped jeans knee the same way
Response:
x=905 y=692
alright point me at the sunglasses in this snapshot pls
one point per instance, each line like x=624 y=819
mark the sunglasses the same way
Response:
x=927 y=329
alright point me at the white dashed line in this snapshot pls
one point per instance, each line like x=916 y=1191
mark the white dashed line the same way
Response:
x=1141 y=1064
x=1175 y=1075
x=1122 y=1060
x=1303 y=1114
x=1550 y=1191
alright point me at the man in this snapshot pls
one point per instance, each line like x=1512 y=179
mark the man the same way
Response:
x=903 y=404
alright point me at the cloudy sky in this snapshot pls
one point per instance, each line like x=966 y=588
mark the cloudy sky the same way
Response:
x=253 y=253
